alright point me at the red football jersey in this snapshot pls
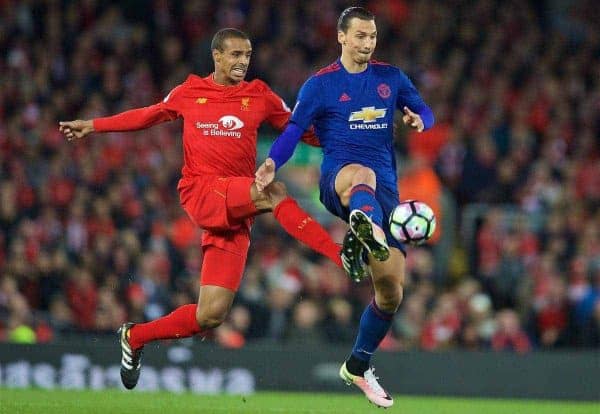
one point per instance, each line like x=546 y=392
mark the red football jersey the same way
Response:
x=220 y=123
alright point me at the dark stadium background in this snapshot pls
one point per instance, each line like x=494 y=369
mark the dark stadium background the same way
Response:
x=92 y=233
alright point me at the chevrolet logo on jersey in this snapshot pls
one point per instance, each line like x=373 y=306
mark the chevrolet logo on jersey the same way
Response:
x=367 y=114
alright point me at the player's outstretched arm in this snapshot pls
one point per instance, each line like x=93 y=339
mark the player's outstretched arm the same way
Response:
x=281 y=151
x=76 y=129
x=132 y=120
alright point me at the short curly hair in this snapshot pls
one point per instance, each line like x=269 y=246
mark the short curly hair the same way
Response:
x=219 y=38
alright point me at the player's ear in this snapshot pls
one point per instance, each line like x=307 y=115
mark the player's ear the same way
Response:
x=216 y=54
x=341 y=37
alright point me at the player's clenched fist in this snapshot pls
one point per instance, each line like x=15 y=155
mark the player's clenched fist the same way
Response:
x=76 y=129
x=265 y=174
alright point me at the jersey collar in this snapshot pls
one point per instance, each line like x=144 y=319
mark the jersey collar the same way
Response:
x=211 y=80
x=339 y=62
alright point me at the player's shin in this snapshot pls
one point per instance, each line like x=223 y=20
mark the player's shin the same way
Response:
x=181 y=323
x=362 y=197
x=300 y=225
x=374 y=325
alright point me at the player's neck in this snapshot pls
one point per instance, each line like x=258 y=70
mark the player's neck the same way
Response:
x=223 y=80
x=351 y=66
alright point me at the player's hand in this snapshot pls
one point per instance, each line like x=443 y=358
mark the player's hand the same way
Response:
x=413 y=120
x=76 y=129
x=265 y=174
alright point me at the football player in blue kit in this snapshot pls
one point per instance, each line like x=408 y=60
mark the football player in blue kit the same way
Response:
x=351 y=105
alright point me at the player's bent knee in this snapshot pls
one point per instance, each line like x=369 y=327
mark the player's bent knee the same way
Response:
x=390 y=299
x=206 y=321
x=366 y=171
x=364 y=175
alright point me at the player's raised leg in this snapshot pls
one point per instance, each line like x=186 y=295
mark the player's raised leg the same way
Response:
x=388 y=279
x=352 y=257
x=295 y=220
x=300 y=225
x=355 y=185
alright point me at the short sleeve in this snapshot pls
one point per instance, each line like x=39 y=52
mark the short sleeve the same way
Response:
x=170 y=103
x=278 y=113
x=307 y=106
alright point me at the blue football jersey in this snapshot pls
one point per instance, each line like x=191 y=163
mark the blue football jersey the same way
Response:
x=353 y=115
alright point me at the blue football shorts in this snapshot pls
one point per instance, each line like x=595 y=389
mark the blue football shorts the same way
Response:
x=387 y=197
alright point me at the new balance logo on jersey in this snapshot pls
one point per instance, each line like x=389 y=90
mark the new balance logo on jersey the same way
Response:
x=367 y=118
x=344 y=98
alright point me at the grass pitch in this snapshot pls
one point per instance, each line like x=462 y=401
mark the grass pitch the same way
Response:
x=114 y=402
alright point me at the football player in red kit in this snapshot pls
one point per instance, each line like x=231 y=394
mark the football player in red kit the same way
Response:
x=221 y=115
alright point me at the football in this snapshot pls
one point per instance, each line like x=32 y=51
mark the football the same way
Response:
x=412 y=222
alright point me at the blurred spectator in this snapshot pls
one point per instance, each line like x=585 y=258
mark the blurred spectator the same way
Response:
x=82 y=295
x=232 y=333
x=305 y=329
x=442 y=327
x=19 y=328
x=591 y=332
x=479 y=316
x=509 y=335
x=552 y=314
x=509 y=272
x=408 y=324
x=280 y=301
x=419 y=181
x=339 y=326
x=60 y=316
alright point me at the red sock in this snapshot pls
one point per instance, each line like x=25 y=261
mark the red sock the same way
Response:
x=300 y=225
x=181 y=323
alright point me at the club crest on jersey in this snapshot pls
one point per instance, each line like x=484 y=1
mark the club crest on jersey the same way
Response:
x=384 y=90
x=201 y=101
x=368 y=116
x=245 y=104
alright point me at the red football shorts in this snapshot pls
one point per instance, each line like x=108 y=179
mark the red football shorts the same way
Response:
x=222 y=268
x=223 y=207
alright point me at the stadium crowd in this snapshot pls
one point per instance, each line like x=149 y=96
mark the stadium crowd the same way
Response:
x=92 y=233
